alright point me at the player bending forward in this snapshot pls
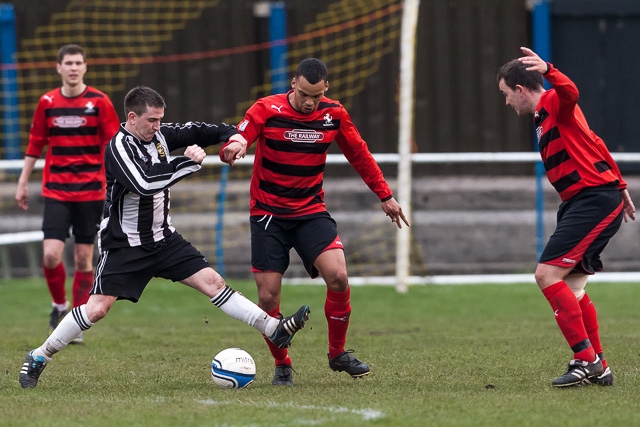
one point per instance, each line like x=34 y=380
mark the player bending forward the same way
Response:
x=594 y=202
x=293 y=132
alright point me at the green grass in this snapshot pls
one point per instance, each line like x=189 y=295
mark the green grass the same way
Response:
x=440 y=356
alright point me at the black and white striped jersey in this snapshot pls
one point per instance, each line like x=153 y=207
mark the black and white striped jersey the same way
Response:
x=139 y=177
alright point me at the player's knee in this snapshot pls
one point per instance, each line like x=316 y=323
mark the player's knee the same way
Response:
x=579 y=294
x=268 y=297
x=51 y=259
x=214 y=281
x=97 y=312
x=338 y=282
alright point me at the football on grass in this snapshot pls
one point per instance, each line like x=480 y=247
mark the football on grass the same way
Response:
x=233 y=368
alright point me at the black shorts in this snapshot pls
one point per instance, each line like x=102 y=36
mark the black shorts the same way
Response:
x=125 y=272
x=83 y=218
x=586 y=223
x=272 y=238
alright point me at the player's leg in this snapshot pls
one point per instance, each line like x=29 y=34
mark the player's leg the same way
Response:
x=56 y=221
x=568 y=316
x=337 y=309
x=78 y=320
x=271 y=241
x=269 y=284
x=577 y=283
x=85 y=218
x=184 y=263
x=566 y=309
x=83 y=277
x=321 y=250
x=585 y=224
x=236 y=305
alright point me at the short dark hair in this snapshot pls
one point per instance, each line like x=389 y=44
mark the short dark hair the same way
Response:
x=70 y=49
x=313 y=70
x=515 y=73
x=140 y=97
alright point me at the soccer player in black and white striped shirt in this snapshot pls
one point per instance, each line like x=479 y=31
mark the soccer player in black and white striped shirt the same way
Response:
x=136 y=239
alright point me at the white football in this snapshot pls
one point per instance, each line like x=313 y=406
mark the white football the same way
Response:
x=233 y=368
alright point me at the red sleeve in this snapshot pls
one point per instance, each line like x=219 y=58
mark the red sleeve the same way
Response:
x=109 y=123
x=357 y=152
x=38 y=134
x=566 y=90
x=251 y=125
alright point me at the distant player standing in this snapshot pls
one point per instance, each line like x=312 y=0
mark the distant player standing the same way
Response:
x=293 y=132
x=594 y=202
x=75 y=121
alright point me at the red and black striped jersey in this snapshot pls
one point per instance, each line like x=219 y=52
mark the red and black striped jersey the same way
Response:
x=76 y=131
x=574 y=157
x=291 y=153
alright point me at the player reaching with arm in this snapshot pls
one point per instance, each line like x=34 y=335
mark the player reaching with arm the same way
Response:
x=594 y=202
x=293 y=132
x=75 y=121
x=137 y=240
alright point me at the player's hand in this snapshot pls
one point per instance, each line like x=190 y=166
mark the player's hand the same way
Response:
x=235 y=150
x=629 y=209
x=22 y=196
x=394 y=211
x=533 y=61
x=195 y=153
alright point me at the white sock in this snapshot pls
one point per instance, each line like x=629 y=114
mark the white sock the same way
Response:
x=61 y=307
x=69 y=328
x=236 y=305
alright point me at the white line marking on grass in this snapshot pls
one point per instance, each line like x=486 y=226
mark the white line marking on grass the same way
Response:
x=366 y=414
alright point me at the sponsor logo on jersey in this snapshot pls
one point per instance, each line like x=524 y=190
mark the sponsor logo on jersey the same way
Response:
x=277 y=107
x=69 y=121
x=90 y=108
x=303 y=135
x=242 y=126
x=161 y=150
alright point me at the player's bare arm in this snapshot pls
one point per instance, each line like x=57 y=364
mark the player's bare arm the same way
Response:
x=394 y=211
x=629 y=209
x=533 y=61
x=22 y=191
x=235 y=150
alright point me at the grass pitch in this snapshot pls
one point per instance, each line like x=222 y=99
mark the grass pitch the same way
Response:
x=440 y=356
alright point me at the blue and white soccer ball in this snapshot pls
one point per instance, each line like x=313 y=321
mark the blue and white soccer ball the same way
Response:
x=233 y=368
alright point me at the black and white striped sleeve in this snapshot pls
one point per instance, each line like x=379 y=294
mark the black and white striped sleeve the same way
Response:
x=196 y=133
x=126 y=162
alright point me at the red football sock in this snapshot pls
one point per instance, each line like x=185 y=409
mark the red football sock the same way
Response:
x=56 y=278
x=569 y=318
x=337 y=309
x=281 y=355
x=590 y=320
x=82 y=283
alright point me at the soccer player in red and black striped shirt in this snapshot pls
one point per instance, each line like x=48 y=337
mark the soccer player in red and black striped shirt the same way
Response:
x=594 y=202
x=293 y=132
x=75 y=121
